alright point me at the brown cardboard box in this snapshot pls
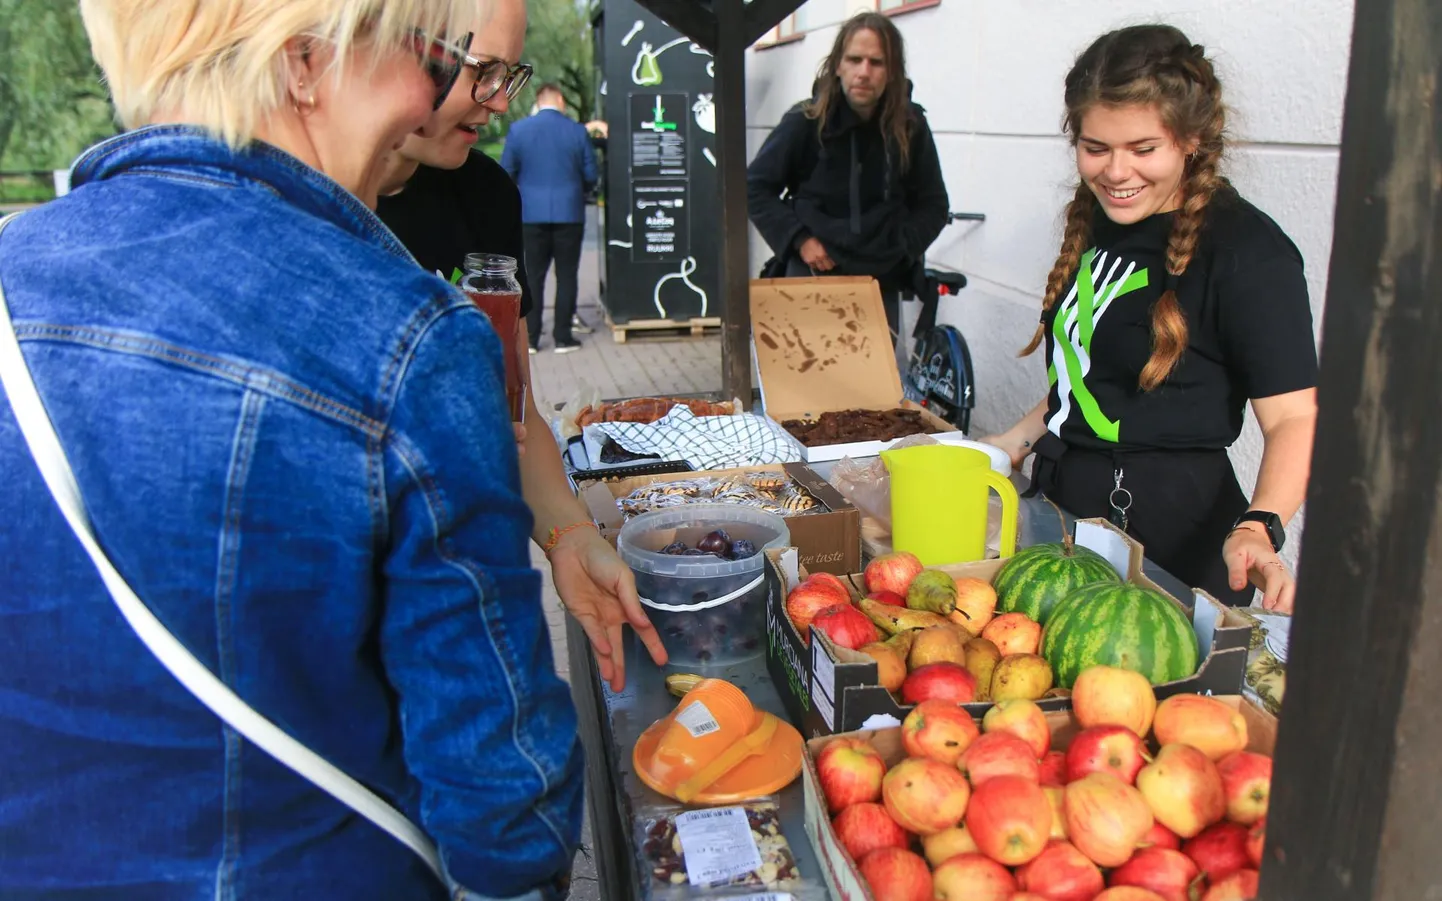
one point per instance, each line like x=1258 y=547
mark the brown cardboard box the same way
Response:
x=829 y=542
x=821 y=345
x=842 y=876
x=841 y=691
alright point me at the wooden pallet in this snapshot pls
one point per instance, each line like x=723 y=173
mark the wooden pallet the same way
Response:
x=662 y=328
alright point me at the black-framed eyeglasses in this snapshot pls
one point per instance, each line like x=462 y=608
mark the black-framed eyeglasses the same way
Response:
x=442 y=61
x=494 y=74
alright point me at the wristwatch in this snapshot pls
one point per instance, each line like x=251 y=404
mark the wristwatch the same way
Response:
x=1270 y=521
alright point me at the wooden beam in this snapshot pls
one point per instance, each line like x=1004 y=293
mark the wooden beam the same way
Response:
x=731 y=44
x=692 y=18
x=1358 y=779
x=764 y=15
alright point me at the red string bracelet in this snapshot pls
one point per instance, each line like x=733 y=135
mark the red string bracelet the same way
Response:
x=556 y=534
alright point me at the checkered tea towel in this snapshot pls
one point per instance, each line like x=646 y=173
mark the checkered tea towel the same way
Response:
x=705 y=442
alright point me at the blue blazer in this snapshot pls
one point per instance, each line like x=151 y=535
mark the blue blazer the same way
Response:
x=551 y=160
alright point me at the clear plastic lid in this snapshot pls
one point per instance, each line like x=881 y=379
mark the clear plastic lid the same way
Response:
x=643 y=537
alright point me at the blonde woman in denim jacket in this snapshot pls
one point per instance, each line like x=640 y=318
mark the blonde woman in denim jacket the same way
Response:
x=292 y=443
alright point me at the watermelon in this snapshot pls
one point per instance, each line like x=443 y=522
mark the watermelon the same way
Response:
x=1037 y=578
x=1125 y=626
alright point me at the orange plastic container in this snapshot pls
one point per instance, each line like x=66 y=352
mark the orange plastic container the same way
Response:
x=713 y=716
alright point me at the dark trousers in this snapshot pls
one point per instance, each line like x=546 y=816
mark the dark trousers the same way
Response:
x=547 y=242
x=1183 y=505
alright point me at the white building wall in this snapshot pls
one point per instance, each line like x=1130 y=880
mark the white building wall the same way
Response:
x=990 y=76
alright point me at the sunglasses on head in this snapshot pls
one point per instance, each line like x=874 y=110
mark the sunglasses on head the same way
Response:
x=442 y=61
x=494 y=74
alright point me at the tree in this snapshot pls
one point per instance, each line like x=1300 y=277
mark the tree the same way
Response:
x=52 y=101
x=558 y=44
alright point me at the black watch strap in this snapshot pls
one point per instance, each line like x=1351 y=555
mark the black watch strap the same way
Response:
x=1270 y=521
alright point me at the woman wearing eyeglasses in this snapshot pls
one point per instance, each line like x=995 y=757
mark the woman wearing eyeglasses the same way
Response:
x=292 y=444
x=444 y=200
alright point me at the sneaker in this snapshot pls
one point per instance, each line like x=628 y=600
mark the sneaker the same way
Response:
x=535 y=350
x=579 y=326
x=565 y=347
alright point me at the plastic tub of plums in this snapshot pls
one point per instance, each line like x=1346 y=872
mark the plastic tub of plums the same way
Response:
x=699 y=568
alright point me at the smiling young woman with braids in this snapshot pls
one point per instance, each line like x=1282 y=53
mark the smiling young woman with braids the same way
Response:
x=1173 y=302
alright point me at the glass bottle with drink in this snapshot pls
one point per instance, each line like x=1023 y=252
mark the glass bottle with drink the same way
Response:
x=490 y=282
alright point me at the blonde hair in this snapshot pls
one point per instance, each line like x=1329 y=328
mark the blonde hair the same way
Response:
x=222 y=63
x=1148 y=65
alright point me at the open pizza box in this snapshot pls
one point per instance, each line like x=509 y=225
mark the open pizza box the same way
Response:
x=822 y=345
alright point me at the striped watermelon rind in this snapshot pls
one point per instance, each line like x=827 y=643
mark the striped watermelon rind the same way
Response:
x=1124 y=626
x=1037 y=578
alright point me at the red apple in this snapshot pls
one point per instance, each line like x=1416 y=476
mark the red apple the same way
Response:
x=924 y=796
x=1106 y=818
x=942 y=681
x=1106 y=749
x=1256 y=841
x=1021 y=718
x=832 y=580
x=1057 y=797
x=1168 y=873
x=1010 y=819
x=1240 y=886
x=999 y=754
x=896 y=874
x=938 y=730
x=892 y=572
x=810 y=598
x=1026 y=896
x=846 y=626
x=862 y=828
x=945 y=845
x=973 y=877
x=1111 y=696
x=1061 y=873
x=1052 y=770
x=850 y=771
x=889 y=598
x=1207 y=724
x=1220 y=850
x=1247 y=782
x=1128 y=893
x=1184 y=789
x=1013 y=633
x=1160 y=836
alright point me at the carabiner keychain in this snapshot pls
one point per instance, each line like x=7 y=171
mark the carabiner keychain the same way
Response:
x=1120 y=500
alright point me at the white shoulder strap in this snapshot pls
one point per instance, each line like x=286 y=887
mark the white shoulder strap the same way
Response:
x=212 y=692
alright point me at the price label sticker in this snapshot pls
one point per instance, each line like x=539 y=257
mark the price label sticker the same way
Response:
x=718 y=845
x=697 y=719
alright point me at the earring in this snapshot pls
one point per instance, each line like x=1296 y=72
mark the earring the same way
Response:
x=307 y=105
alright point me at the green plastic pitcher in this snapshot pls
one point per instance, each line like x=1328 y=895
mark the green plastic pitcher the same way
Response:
x=939 y=503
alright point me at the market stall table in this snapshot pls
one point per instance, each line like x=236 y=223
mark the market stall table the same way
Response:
x=611 y=722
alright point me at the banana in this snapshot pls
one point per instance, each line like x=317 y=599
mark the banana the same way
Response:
x=679 y=684
x=891 y=619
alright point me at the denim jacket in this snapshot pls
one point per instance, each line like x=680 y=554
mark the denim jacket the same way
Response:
x=293 y=443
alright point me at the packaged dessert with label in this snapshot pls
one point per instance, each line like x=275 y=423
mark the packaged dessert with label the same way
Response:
x=772 y=492
x=698 y=852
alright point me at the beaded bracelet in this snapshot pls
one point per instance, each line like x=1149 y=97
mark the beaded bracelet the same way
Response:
x=556 y=534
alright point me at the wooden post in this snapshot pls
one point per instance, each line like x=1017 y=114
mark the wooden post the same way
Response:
x=1358 y=780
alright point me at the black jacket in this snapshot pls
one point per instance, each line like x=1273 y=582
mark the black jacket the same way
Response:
x=871 y=218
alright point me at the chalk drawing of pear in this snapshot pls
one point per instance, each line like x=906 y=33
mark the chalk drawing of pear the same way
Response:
x=688 y=267
x=710 y=157
x=635 y=30
x=705 y=112
x=646 y=70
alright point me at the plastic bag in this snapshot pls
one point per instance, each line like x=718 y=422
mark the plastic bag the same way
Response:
x=565 y=420
x=663 y=857
x=867 y=484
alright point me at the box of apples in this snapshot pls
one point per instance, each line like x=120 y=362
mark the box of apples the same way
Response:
x=1119 y=799
x=857 y=652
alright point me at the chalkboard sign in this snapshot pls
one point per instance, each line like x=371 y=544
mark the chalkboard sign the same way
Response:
x=661 y=184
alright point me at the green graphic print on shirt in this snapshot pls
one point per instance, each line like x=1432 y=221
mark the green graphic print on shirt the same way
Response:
x=1097 y=285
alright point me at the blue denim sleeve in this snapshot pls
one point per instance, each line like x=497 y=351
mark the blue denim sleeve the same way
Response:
x=489 y=729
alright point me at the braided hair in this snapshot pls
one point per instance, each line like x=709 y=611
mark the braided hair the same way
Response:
x=1156 y=66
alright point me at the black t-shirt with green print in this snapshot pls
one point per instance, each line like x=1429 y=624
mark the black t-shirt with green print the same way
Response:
x=1250 y=332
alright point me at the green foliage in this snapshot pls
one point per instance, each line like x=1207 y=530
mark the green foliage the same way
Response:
x=558 y=44
x=52 y=102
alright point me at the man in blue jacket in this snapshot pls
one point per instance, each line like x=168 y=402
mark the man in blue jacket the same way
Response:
x=550 y=157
